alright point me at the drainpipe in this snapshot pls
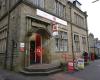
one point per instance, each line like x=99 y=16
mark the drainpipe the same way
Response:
x=87 y=31
x=71 y=33
x=6 y=52
x=12 y=56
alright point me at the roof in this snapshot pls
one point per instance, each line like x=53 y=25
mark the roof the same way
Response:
x=78 y=2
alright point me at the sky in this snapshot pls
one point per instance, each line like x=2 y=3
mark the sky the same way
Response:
x=93 y=12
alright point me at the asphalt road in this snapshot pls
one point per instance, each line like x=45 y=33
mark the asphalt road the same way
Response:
x=91 y=72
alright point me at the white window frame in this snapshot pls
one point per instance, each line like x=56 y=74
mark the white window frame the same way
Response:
x=62 y=44
x=76 y=47
x=59 y=9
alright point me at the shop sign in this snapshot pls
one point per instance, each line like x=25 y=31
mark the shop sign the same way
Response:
x=80 y=63
x=55 y=29
x=22 y=47
x=22 y=44
x=50 y=17
x=70 y=66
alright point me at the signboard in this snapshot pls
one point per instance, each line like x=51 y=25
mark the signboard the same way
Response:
x=55 y=33
x=22 y=44
x=50 y=17
x=70 y=66
x=80 y=63
x=55 y=29
x=22 y=47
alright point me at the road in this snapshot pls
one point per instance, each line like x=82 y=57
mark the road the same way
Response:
x=91 y=72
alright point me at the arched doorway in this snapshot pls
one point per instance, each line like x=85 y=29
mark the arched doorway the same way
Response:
x=37 y=40
x=35 y=49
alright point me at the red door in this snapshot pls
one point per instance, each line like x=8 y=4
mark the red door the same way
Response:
x=38 y=52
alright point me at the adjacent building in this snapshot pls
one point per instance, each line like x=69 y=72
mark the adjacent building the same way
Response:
x=41 y=31
x=94 y=45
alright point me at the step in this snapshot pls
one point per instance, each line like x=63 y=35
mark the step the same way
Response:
x=41 y=69
x=40 y=73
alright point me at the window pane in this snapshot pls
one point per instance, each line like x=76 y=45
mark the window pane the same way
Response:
x=60 y=9
x=76 y=43
x=61 y=41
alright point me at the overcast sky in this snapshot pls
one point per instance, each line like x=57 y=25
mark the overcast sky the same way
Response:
x=93 y=11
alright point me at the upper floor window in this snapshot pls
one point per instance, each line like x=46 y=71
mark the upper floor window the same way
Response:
x=59 y=9
x=3 y=37
x=61 y=41
x=0 y=4
x=39 y=3
x=84 y=42
x=76 y=43
x=78 y=20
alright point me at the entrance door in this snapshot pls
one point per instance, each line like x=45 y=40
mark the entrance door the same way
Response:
x=35 y=50
x=38 y=49
x=32 y=52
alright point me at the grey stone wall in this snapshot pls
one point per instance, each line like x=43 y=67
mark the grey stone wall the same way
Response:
x=19 y=26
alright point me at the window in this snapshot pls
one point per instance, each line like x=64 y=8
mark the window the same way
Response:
x=61 y=41
x=0 y=5
x=39 y=3
x=3 y=37
x=84 y=43
x=59 y=9
x=76 y=43
x=78 y=20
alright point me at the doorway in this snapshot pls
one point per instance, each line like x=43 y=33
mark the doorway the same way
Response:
x=32 y=52
x=35 y=50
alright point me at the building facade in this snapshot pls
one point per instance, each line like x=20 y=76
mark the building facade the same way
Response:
x=41 y=31
x=79 y=29
x=94 y=45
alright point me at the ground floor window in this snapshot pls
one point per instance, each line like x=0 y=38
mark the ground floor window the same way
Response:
x=61 y=41
x=3 y=37
x=84 y=42
x=76 y=43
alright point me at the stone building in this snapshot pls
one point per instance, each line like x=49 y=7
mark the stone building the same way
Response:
x=94 y=45
x=41 y=31
x=79 y=29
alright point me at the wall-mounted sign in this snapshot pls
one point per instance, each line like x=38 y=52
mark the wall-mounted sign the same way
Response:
x=50 y=17
x=22 y=47
x=54 y=29
x=22 y=44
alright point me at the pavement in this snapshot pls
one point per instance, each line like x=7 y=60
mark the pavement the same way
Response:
x=91 y=72
x=63 y=76
x=7 y=75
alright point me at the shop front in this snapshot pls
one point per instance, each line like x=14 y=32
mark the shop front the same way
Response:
x=37 y=45
x=40 y=38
